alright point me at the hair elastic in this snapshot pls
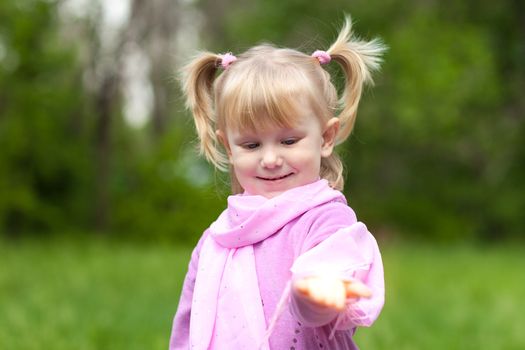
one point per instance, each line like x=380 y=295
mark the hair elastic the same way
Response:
x=322 y=56
x=227 y=59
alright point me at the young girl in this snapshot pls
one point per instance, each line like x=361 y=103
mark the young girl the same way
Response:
x=286 y=265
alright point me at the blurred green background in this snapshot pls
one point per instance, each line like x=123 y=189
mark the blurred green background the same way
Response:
x=103 y=195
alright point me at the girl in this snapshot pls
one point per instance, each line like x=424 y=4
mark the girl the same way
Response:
x=286 y=265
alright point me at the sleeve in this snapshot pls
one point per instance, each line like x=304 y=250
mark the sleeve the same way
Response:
x=180 y=332
x=350 y=253
x=364 y=311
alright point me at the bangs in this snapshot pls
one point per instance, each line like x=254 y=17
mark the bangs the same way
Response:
x=263 y=98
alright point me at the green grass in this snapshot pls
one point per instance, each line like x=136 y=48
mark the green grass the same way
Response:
x=90 y=295
x=451 y=298
x=99 y=295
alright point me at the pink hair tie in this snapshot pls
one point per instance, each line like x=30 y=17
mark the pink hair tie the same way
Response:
x=227 y=59
x=322 y=56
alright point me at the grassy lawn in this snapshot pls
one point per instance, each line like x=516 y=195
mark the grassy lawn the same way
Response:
x=451 y=298
x=90 y=295
x=99 y=295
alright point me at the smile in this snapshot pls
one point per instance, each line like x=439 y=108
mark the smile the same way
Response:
x=274 y=178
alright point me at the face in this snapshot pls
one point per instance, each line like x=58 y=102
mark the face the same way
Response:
x=270 y=161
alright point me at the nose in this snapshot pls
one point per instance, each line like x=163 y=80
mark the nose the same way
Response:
x=270 y=158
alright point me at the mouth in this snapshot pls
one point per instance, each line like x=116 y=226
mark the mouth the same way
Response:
x=276 y=178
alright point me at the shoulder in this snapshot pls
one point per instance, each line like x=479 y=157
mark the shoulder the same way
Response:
x=197 y=249
x=331 y=213
x=321 y=222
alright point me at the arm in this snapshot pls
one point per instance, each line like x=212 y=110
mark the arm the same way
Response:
x=364 y=311
x=327 y=280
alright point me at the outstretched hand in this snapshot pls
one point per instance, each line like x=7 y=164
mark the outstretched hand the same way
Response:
x=330 y=292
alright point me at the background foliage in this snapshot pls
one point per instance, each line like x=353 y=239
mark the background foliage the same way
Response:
x=437 y=154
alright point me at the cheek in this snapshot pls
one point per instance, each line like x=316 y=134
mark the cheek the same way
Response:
x=242 y=162
x=309 y=156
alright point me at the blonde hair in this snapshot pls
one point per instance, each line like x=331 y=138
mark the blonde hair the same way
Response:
x=264 y=87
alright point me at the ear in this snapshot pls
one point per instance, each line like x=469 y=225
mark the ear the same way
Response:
x=224 y=141
x=331 y=129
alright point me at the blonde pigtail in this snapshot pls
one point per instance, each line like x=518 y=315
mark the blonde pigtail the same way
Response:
x=197 y=84
x=332 y=171
x=358 y=59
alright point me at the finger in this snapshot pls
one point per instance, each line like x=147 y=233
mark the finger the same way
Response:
x=301 y=286
x=357 y=290
x=337 y=295
x=330 y=294
x=339 y=303
x=317 y=292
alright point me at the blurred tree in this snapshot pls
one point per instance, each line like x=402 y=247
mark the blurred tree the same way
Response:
x=103 y=72
x=68 y=158
x=153 y=26
x=437 y=153
x=148 y=31
x=42 y=136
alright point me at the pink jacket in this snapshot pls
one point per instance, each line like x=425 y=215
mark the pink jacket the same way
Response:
x=236 y=294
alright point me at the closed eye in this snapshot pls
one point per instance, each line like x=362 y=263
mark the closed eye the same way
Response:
x=289 y=142
x=250 y=145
